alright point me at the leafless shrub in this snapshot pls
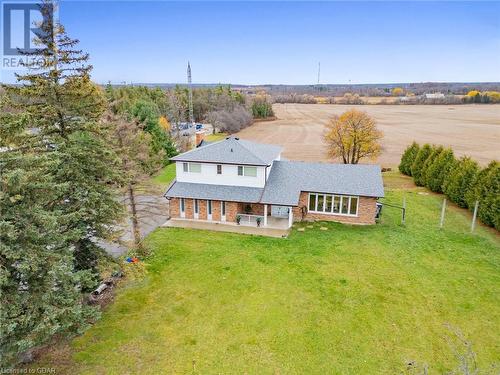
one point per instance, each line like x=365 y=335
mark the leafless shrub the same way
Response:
x=230 y=121
x=295 y=98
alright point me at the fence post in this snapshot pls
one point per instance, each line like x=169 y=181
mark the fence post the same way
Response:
x=443 y=209
x=403 y=219
x=473 y=225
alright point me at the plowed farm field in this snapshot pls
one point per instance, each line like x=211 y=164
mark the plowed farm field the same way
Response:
x=472 y=130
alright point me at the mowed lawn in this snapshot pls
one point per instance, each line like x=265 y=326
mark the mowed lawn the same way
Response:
x=346 y=300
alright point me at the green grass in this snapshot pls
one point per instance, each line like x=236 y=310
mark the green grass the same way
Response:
x=216 y=137
x=348 y=300
x=165 y=176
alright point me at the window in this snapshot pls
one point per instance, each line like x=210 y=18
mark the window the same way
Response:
x=337 y=204
x=345 y=205
x=191 y=167
x=354 y=206
x=196 y=206
x=195 y=167
x=328 y=203
x=219 y=169
x=321 y=200
x=183 y=205
x=223 y=208
x=209 y=207
x=247 y=171
x=312 y=202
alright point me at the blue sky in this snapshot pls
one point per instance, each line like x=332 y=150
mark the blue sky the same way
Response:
x=282 y=42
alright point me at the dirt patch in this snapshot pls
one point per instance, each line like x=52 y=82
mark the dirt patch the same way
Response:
x=469 y=129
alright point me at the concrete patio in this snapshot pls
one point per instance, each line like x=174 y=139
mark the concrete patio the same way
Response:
x=226 y=227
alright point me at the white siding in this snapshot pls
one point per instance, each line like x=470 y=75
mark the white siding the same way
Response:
x=229 y=175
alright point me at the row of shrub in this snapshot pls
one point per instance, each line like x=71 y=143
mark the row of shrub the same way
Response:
x=461 y=180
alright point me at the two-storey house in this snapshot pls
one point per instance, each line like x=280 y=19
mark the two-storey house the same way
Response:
x=235 y=180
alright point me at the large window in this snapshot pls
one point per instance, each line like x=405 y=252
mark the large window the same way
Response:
x=247 y=171
x=191 y=167
x=333 y=204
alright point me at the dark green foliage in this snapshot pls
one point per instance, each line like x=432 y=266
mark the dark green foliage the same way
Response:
x=39 y=285
x=486 y=190
x=418 y=163
x=424 y=173
x=460 y=180
x=408 y=158
x=262 y=107
x=57 y=193
x=145 y=105
x=439 y=169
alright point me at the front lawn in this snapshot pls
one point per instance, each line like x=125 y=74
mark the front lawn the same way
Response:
x=346 y=300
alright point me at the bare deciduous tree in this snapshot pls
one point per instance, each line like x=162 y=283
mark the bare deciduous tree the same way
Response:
x=132 y=146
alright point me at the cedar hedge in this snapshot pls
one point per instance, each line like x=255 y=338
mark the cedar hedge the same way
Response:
x=462 y=180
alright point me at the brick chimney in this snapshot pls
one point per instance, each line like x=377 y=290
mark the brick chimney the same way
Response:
x=199 y=136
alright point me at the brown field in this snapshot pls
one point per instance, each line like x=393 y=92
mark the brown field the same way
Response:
x=469 y=129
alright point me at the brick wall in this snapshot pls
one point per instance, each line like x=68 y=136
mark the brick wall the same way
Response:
x=366 y=212
x=232 y=209
x=256 y=208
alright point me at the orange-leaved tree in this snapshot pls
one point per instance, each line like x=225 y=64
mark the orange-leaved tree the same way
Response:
x=352 y=136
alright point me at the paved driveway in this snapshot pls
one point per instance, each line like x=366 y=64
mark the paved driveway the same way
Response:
x=153 y=212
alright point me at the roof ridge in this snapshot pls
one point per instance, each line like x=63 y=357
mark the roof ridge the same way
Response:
x=205 y=147
x=246 y=148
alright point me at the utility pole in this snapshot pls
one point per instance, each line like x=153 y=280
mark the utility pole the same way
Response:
x=190 y=94
x=319 y=71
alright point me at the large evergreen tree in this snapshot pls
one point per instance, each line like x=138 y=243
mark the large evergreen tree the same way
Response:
x=408 y=158
x=40 y=288
x=424 y=173
x=57 y=190
x=487 y=191
x=439 y=170
x=418 y=163
x=460 y=180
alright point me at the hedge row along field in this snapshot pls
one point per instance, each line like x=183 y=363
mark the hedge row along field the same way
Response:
x=461 y=180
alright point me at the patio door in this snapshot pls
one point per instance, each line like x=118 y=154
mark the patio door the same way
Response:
x=209 y=210
x=196 y=205
x=279 y=211
x=182 y=207
x=222 y=211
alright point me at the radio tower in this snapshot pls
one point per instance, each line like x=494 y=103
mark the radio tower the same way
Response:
x=190 y=94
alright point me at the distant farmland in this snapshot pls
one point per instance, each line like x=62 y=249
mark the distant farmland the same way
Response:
x=469 y=129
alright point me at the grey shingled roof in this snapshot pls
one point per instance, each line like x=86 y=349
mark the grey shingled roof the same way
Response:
x=287 y=179
x=215 y=192
x=234 y=151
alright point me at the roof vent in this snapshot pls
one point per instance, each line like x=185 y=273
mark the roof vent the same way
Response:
x=236 y=138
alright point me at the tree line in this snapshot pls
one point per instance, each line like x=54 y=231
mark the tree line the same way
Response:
x=462 y=180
